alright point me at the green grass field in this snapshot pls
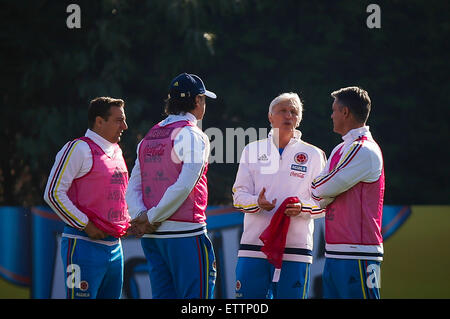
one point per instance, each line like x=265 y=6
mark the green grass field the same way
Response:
x=417 y=257
x=11 y=291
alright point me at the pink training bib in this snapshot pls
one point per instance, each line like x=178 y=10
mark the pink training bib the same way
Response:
x=160 y=169
x=355 y=216
x=100 y=194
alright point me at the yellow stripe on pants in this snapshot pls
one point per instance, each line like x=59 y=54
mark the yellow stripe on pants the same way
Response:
x=71 y=262
x=306 y=281
x=362 y=280
x=207 y=272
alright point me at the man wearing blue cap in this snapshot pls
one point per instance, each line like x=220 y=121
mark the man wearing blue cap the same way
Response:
x=167 y=196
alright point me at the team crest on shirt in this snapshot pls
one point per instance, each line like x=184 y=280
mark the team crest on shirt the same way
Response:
x=238 y=287
x=84 y=285
x=301 y=158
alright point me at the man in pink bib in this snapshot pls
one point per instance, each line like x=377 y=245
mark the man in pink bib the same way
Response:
x=86 y=189
x=168 y=195
x=352 y=184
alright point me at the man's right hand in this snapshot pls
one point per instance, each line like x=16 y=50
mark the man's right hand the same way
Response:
x=93 y=232
x=263 y=203
x=140 y=226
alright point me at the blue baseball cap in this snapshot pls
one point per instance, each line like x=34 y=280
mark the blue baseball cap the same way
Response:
x=187 y=85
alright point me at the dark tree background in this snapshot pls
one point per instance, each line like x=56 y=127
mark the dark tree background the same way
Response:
x=247 y=51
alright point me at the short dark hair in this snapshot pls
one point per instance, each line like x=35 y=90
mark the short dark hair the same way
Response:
x=101 y=106
x=176 y=105
x=356 y=99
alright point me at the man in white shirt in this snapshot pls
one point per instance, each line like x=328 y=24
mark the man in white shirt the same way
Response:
x=270 y=171
x=352 y=185
x=167 y=196
x=86 y=189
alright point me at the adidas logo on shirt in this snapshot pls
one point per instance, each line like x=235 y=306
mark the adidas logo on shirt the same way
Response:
x=118 y=177
x=263 y=158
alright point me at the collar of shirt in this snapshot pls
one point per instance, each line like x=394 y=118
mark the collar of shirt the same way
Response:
x=297 y=135
x=179 y=117
x=355 y=133
x=105 y=145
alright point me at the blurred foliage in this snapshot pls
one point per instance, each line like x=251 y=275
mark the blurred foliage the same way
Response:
x=247 y=51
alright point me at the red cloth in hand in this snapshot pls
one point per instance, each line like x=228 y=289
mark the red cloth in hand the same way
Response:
x=274 y=236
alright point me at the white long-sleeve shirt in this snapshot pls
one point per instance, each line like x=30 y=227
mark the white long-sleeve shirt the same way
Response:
x=73 y=161
x=285 y=175
x=191 y=146
x=357 y=164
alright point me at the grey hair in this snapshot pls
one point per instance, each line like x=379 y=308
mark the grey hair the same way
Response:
x=294 y=98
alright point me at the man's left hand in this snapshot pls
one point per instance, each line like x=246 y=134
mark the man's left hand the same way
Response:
x=293 y=209
x=140 y=226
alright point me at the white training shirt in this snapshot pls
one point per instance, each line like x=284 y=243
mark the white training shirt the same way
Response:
x=285 y=175
x=362 y=166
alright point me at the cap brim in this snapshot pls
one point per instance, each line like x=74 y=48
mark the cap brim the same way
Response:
x=210 y=94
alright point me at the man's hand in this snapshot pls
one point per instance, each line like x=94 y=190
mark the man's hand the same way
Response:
x=93 y=232
x=263 y=203
x=293 y=209
x=140 y=226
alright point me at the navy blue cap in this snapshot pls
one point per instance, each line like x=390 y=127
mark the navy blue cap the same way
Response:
x=186 y=85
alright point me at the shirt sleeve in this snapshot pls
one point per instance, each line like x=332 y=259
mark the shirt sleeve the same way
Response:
x=192 y=148
x=133 y=195
x=310 y=207
x=245 y=198
x=74 y=160
x=359 y=164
